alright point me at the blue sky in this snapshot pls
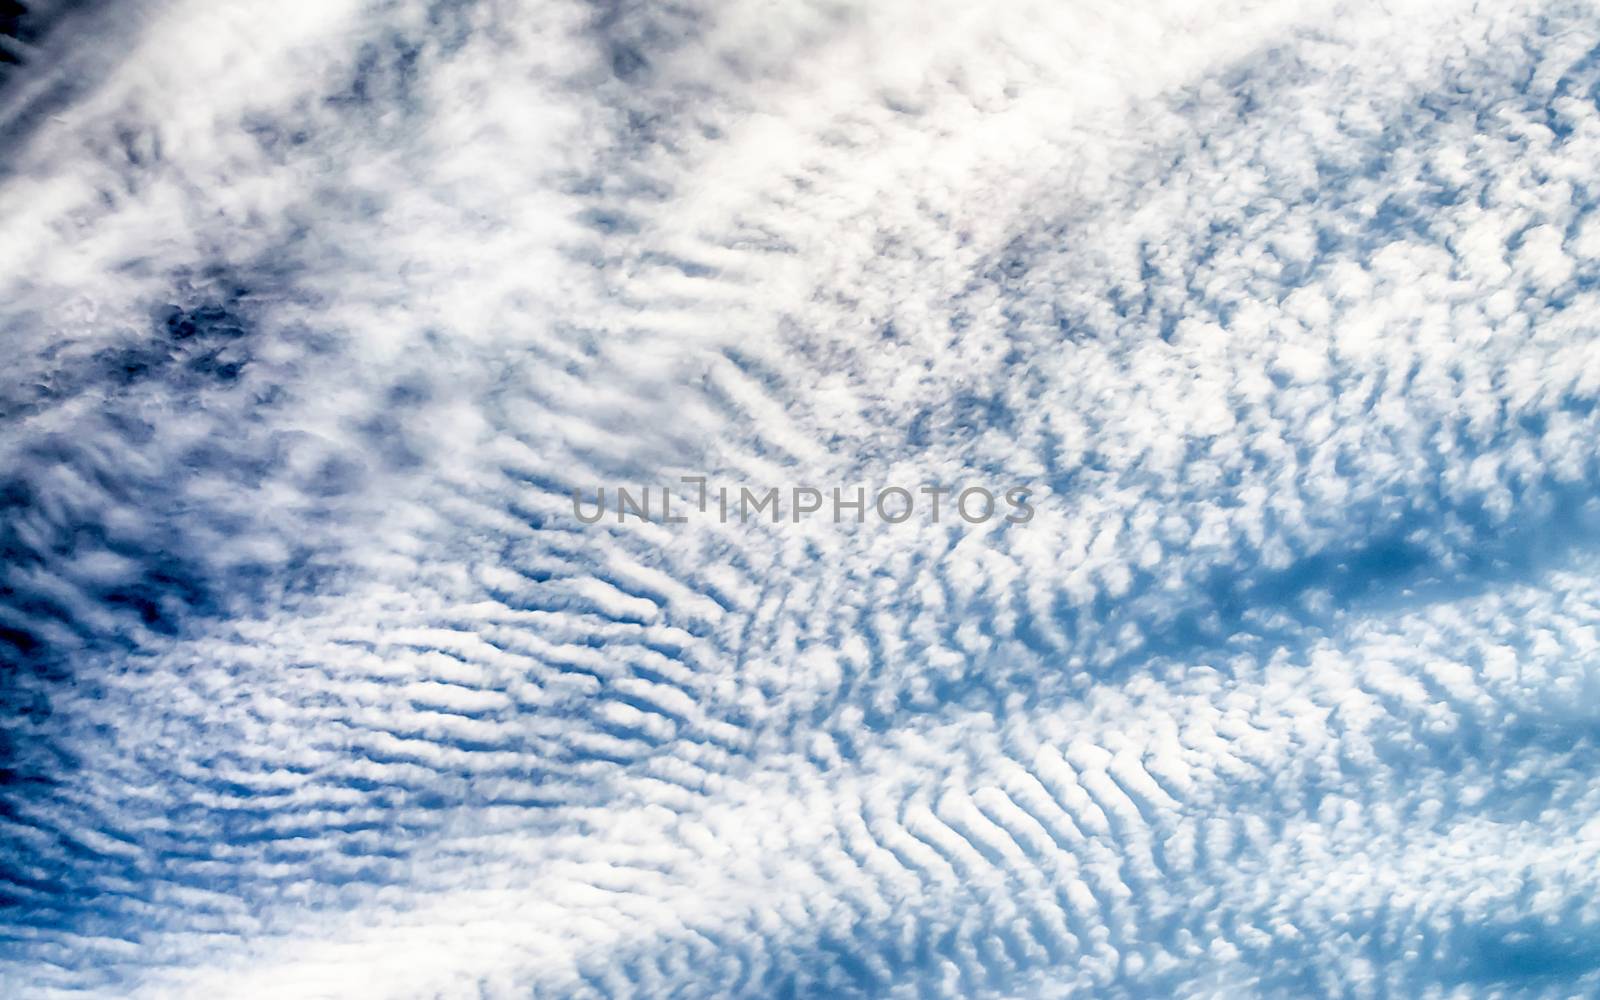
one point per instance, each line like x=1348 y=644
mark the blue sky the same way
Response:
x=315 y=318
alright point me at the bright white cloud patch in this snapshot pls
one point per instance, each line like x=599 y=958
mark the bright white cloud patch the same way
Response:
x=315 y=317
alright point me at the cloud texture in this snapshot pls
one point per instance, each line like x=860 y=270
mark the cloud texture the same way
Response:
x=315 y=314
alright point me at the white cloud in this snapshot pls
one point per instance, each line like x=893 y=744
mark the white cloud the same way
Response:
x=1282 y=310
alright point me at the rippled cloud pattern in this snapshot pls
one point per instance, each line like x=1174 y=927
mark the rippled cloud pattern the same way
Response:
x=315 y=317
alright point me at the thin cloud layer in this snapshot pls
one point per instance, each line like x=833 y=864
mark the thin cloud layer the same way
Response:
x=317 y=318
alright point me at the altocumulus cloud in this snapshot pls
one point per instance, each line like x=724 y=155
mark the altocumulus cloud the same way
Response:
x=316 y=315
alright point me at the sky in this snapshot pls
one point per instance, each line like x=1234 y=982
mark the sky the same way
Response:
x=316 y=316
